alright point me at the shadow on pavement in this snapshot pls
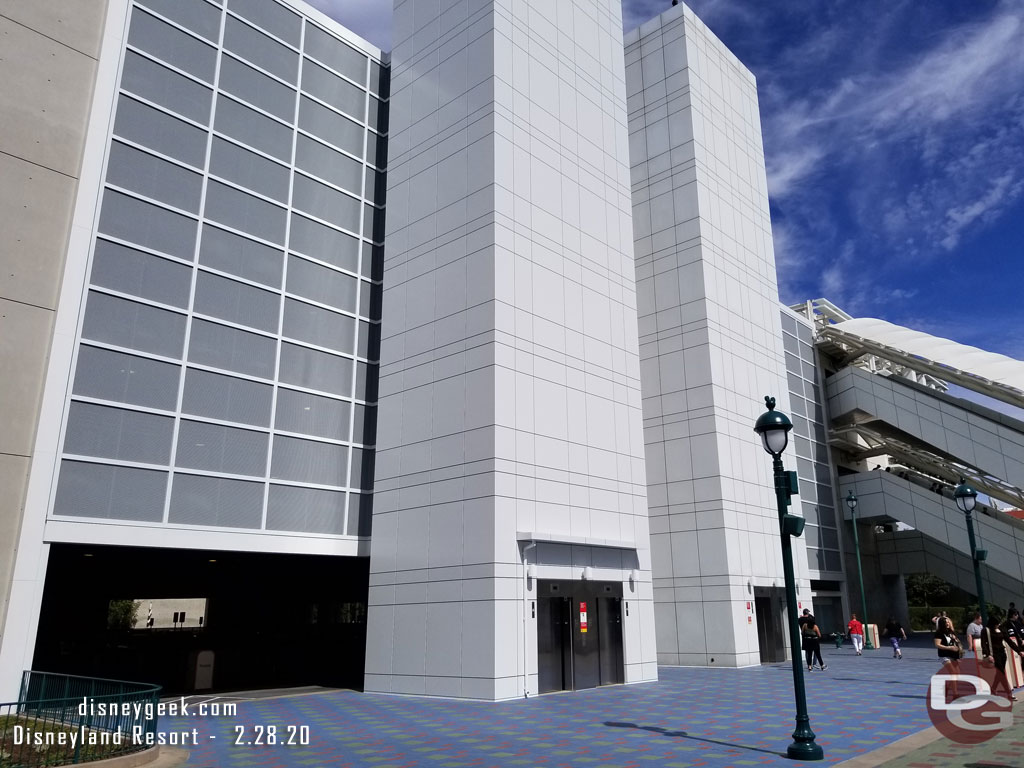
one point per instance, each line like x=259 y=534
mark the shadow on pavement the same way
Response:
x=685 y=735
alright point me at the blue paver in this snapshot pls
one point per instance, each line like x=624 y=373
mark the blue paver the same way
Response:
x=690 y=717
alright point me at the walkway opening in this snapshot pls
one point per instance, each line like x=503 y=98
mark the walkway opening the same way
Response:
x=579 y=635
x=195 y=620
x=770 y=610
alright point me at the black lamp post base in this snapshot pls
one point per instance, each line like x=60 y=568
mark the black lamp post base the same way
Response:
x=804 y=750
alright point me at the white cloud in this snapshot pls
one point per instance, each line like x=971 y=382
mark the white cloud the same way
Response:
x=1003 y=191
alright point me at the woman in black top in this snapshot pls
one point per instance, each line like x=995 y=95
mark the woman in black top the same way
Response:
x=947 y=643
x=812 y=643
x=993 y=650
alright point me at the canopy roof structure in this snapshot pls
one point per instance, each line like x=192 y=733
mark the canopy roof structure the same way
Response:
x=991 y=374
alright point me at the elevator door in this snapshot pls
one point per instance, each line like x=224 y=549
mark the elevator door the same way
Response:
x=609 y=625
x=586 y=639
x=554 y=644
x=768 y=605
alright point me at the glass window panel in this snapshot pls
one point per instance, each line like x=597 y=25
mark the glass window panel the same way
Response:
x=247 y=169
x=318 y=326
x=321 y=284
x=832 y=560
x=320 y=160
x=272 y=17
x=317 y=370
x=108 y=492
x=152 y=128
x=364 y=427
x=150 y=176
x=331 y=126
x=379 y=79
x=810 y=512
x=336 y=54
x=148 y=225
x=263 y=51
x=226 y=398
x=339 y=93
x=790 y=344
x=830 y=538
x=256 y=88
x=324 y=243
x=240 y=256
x=310 y=510
x=109 y=375
x=250 y=127
x=170 y=44
x=325 y=202
x=231 y=349
x=804 y=333
x=244 y=212
x=216 y=501
x=312 y=415
x=217 y=448
x=237 y=302
x=308 y=461
x=159 y=84
x=142 y=274
x=129 y=324
x=788 y=323
x=114 y=433
x=198 y=15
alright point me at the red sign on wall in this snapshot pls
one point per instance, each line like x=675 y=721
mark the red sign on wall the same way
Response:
x=583 y=617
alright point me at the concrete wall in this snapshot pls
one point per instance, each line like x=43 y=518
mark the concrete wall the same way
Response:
x=510 y=392
x=50 y=54
x=710 y=338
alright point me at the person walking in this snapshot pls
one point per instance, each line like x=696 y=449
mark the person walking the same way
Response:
x=856 y=631
x=811 y=637
x=948 y=644
x=993 y=651
x=894 y=631
x=974 y=630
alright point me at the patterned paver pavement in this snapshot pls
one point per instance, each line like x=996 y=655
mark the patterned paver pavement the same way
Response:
x=690 y=717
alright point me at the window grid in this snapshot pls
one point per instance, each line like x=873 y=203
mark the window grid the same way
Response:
x=359 y=311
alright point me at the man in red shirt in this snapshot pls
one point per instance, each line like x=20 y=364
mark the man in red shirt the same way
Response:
x=856 y=630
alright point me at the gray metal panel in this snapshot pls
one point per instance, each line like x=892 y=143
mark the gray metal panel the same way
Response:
x=152 y=128
x=247 y=169
x=165 y=42
x=263 y=51
x=322 y=242
x=198 y=15
x=165 y=87
x=272 y=16
x=240 y=256
x=308 y=461
x=142 y=274
x=321 y=284
x=218 y=448
x=256 y=88
x=216 y=501
x=116 y=433
x=250 y=127
x=329 y=88
x=309 y=510
x=110 y=492
x=312 y=415
x=103 y=373
x=329 y=164
x=130 y=324
x=331 y=126
x=226 y=398
x=232 y=349
x=148 y=225
x=322 y=327
x=244 y=212
x=335 y=54
x=325 y=203
x=312 y=369
x=237 y=302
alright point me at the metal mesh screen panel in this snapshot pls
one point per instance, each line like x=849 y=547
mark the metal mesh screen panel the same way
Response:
x=273 y=17
x=331 y=126
x=254 y=129
x=315 y=370
x=330 y=165
x=199 y=16
x=318 y=326
x=150 y=127
x=110 y=492
x=322 y=242
x=165 y=87
x=109 y=375
x=226 y=398
x=133 y=325
x=148 y=175
x=308 y=510
x=247 y=169
x=335 y=54
x=141 y=274
x=221 y=347
x=322 y=284
x=221 y=449
x=261 y=50
x=240 y=256
x=245 y=212
x=308 y=461
x=172 y=45
x=312 y=415
x=115 y=433
x=237 y=302
x=256 y=88
x=216 y=501
x=148 y=225
x=325 y=203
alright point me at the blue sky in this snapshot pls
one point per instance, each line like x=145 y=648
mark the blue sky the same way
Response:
x=894 y=142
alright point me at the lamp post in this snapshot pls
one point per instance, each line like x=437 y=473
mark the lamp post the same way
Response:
x=851 y=502
x=966 y=498
x=774 y=427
